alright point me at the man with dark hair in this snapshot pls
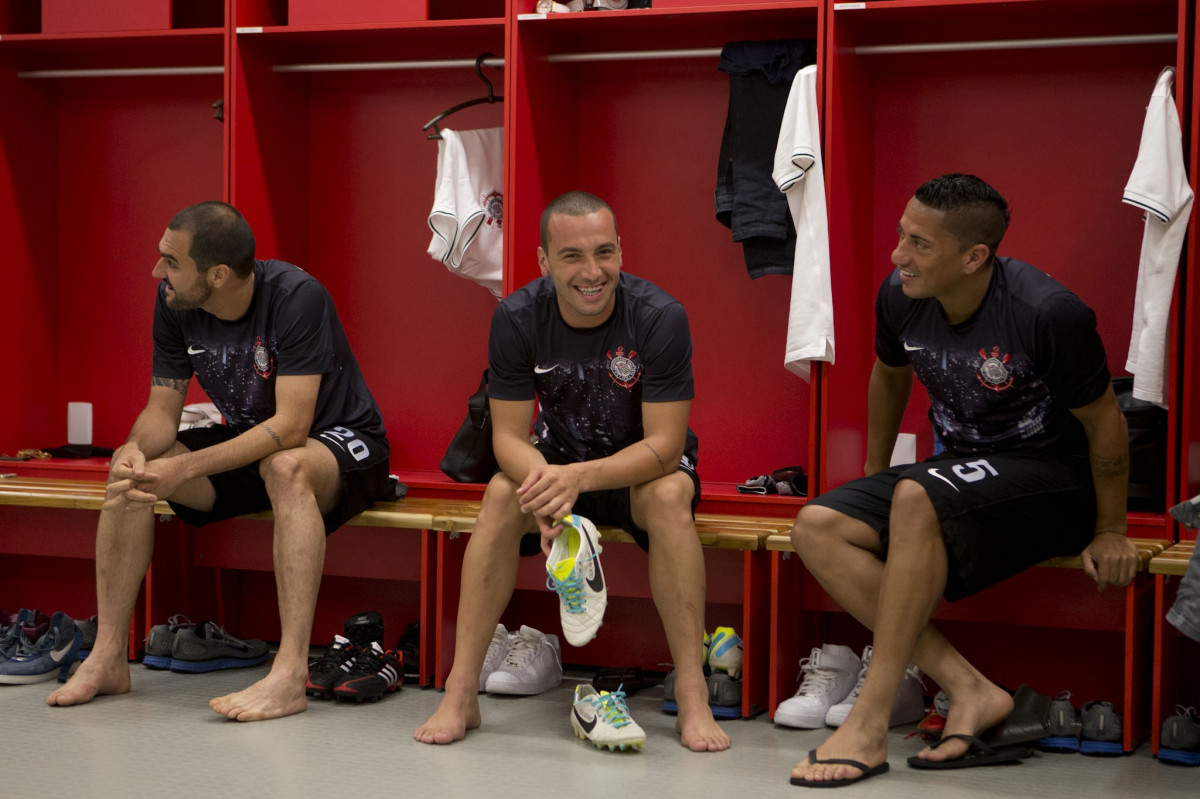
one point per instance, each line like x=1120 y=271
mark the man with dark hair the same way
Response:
x=302 y=437
x=607 y=356
x=1036 y=466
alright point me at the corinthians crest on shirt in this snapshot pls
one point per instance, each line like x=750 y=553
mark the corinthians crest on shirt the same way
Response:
x=264 y=362
x=622 y=368
x=993 y=372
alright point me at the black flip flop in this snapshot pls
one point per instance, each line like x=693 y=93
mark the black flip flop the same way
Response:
x=633 y=679
x=867 y=772
x=979 y=754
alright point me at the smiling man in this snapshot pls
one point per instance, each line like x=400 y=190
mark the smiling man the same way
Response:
x=302 y=437
x=606 y=357
x=1036 y=466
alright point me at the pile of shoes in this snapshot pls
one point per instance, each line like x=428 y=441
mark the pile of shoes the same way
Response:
x=1095 y=729
x=35 y=647
x=524 y=662
x=722 y=661
x=1179 y=740
x=184 y=646
x=1007 y=742
x=831 y=678
x=355 y=665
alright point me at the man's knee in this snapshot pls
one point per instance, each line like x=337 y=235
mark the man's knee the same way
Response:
x=913 y=514
x=665 y=503
x=284 y=472
x=814 y=528
x=500 y=511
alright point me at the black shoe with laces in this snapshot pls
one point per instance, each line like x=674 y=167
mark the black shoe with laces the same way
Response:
x=409 y=646
x=375 y=672
x=330 y=668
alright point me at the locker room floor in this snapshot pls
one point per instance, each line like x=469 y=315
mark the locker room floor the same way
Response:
x=162 y=739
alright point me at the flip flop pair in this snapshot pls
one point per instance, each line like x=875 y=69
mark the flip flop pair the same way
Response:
x=1006 y=743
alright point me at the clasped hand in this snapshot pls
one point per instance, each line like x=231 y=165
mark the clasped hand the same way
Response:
x=549 y=493
x=135 y=484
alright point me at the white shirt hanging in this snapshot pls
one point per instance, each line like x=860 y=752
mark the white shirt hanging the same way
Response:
x=468 y=205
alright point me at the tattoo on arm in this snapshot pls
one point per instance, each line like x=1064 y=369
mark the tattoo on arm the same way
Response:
x=662 y=466
x=271 y=433
x=180 y=385
x=1110 y=467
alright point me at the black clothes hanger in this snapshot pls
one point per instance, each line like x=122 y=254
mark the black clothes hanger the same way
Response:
x=491 y=98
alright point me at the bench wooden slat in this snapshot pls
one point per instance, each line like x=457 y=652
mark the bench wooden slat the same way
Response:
x=1174 y=560
x=417 y=513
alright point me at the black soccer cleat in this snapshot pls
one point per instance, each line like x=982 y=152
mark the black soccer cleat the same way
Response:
x=334 y=665
x=375 y=672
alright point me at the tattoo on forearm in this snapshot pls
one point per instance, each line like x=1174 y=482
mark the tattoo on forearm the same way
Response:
x=661 y=465
x=271 y=433
x=1110 y=467
x=180 y=385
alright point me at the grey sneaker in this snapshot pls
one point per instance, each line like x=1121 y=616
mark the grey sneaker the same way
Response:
x=207 y=647
x=1103 y=730
x=88 y=626
x=1062 y=723
x=161 y=641
x=502 y=641
x=1180 y=739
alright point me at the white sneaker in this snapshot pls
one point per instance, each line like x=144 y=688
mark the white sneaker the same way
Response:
x=573 y=570
x=603 y=718
x=910 y=699
x=531 y=665
x=497 y=650
x=829 y=675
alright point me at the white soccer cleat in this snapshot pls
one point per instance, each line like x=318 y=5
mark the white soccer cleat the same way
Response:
x=573 y=570
x=603 y=718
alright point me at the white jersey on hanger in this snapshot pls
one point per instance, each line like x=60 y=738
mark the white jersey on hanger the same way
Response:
x=468 y=205
x=1159 y=186
x=799 y=175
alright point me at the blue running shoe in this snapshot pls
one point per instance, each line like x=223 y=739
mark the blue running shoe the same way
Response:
x=1180 y=739
x=207 y=647
x=1062 y=723
x=56 y=650
x=1103 y=730
x=161 y=641
x=12 y=626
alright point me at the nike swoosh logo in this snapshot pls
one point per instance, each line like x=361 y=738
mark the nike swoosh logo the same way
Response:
x=941 y=476
x=588 y=726
x=909 y=348
x=57 y=655
x=541 y=370
x=596 y=581
x=194 y=350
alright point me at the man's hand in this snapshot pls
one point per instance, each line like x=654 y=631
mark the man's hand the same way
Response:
x=1111 y=559
x=128 y=467
x=549 y=492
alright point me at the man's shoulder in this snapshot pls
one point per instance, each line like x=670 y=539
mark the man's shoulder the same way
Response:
x=1031 y=287
x=639 y=290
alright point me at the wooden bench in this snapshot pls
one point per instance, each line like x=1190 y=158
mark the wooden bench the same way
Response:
x=1171 y=563
x=1136 y=607
x=443 y=520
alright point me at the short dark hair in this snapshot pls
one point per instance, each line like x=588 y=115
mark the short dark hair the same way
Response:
x=975 y=212
x=573 y=203
x=220 y=235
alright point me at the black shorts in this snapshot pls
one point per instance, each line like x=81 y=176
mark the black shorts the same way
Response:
x=362 y=461
x=611 y=506
x=1000 y=513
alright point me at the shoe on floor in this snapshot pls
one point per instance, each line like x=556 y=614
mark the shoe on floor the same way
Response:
x=12 y=629
x=497 y=651
x=724 y=652
x=330 y=668
x=88 y=627
x=602 y=717
x=978 y=753
x=42 y=651
x=532 y=665
x=724 y=696
x=161 y=641
x=207 y=647
x=1062 y=726
x=932 y=726
x=363 y=629
x=573 y=570
x=828 y=676
x=1103 y=731
x=409 y=646
x=1180 y=738
x=375 y=672
x=910 y=699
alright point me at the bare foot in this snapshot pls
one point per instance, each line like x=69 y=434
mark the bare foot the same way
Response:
x=457 y=713
x=272 y=697
x=94 y=677
x=971 y=712
x=846 y=743
x=697 y=728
